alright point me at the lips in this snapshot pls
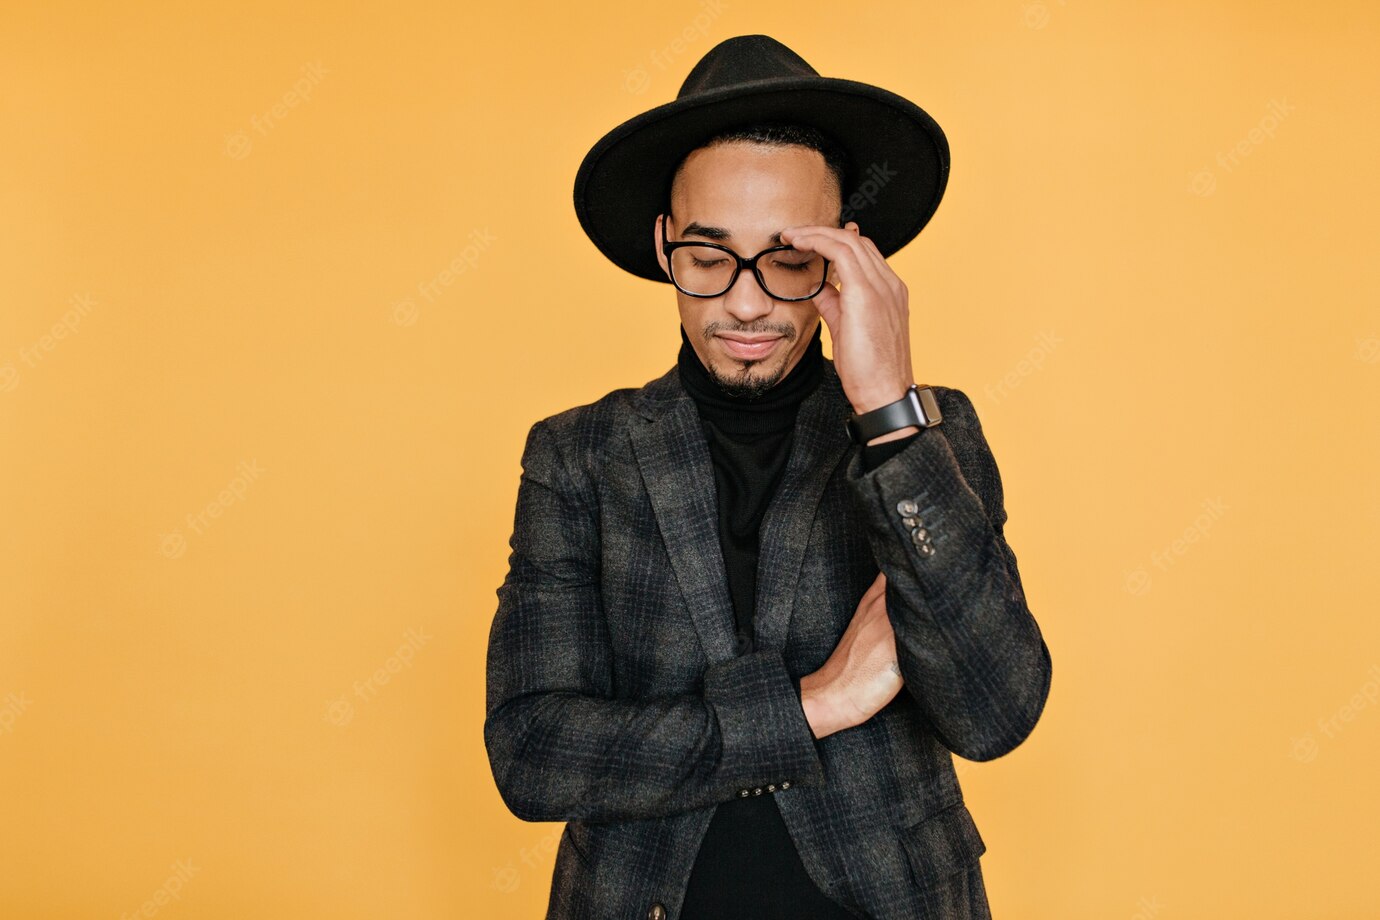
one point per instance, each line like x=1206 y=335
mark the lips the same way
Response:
x=749 y=347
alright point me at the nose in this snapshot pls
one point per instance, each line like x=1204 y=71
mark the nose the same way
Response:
x=746 y=300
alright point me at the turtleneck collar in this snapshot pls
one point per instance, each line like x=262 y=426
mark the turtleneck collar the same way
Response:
x=773 y=411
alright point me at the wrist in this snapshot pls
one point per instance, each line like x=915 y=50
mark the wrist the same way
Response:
x=876 y=397
x=818 y=705
x=914 y=410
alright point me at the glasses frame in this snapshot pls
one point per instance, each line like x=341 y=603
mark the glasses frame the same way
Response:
x=668 y=246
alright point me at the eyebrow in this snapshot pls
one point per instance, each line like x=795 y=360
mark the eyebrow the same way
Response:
x=694 y=228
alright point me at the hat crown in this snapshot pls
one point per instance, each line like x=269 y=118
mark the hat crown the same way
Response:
x=743 y=59
x=623 y=181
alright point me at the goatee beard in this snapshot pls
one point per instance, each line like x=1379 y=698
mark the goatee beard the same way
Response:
x=746 y=386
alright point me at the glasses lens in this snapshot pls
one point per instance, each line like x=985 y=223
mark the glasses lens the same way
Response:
x=702 y=269
x=789 y=274
x=786 y=274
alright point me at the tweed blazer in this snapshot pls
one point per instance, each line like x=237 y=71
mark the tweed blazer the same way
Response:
x=618 y=701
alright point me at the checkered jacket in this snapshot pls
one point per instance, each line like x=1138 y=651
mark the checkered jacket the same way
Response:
x=619 y=702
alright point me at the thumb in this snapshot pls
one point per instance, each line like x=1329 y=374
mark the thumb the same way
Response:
x=827 y=303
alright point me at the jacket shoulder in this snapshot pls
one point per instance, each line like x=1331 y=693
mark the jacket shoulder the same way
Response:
x=589 y=423
x=585 y=436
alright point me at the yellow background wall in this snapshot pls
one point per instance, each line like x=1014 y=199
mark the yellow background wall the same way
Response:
x=285 y=286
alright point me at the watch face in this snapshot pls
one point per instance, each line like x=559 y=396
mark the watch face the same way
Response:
x=929 y=406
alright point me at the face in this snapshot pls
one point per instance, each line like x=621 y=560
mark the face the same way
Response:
x=739 y=194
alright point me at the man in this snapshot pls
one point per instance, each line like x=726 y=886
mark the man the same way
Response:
x=755 y=606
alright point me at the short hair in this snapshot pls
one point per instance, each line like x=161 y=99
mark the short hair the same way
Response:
x=777 y=134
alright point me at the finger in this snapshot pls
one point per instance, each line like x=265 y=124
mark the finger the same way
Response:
x=869 y=249
x=878 y=260
x=841 y=247
x=855 y=264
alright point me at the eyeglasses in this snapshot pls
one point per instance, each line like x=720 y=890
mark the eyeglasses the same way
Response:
x=710 y=270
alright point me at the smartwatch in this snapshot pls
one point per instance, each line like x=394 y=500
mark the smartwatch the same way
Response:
x=918 y=407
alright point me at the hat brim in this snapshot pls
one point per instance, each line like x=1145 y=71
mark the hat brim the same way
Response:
x=899 y=160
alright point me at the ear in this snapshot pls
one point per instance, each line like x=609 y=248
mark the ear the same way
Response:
x=658 y=237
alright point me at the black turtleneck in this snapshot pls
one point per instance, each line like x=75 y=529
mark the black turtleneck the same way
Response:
x=748 y=867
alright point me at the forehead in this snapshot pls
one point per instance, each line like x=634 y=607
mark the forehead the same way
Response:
x=747 y=185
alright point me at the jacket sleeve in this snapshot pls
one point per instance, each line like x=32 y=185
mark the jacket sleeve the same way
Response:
x=874 y=455
x=561 y=745
x=968 y=647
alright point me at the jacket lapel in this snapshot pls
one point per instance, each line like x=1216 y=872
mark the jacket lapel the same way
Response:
x=820 y=443
x=674 y=458
x=673 y=455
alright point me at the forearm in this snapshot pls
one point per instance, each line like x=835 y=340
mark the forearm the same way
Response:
x=562 y=755
x=973 y=657
x=971 y=654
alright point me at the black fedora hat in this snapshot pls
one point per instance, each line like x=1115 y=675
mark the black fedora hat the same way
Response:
x=898 y=156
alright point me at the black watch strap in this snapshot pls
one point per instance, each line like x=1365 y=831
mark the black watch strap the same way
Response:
x=918 y=407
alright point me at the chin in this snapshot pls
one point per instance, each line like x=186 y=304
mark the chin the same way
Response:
x=751 y=373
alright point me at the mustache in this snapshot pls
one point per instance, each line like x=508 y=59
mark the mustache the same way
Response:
x=787 y=332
